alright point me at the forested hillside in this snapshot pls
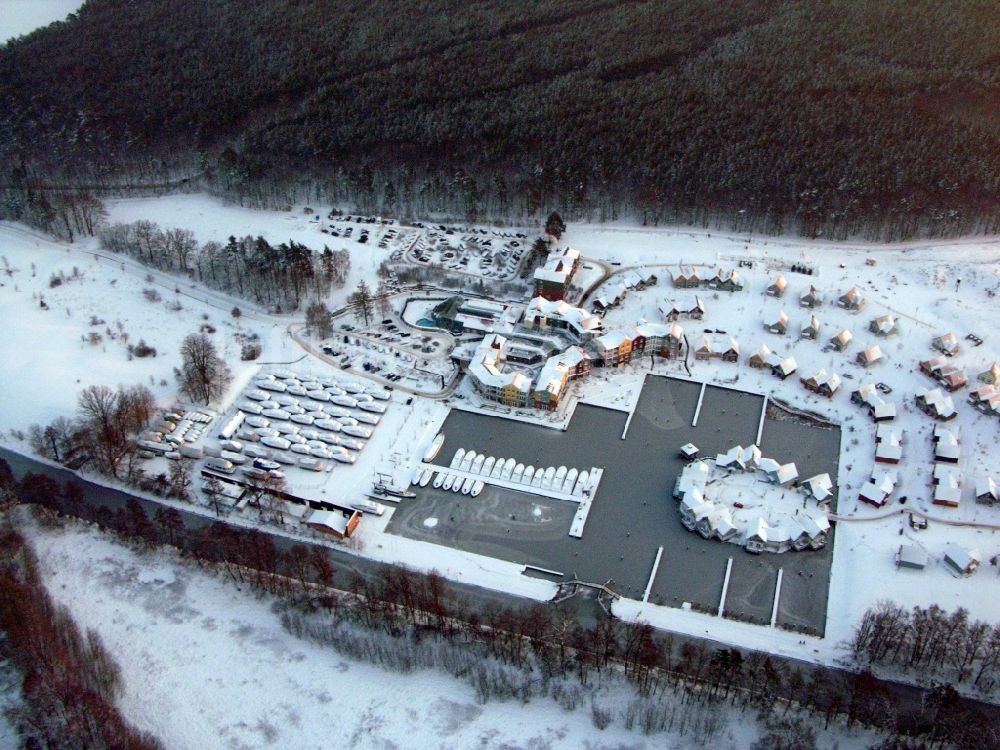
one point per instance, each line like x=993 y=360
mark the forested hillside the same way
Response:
x=877 y=118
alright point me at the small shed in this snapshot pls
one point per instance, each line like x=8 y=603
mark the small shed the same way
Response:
x=884 y=325
x=946 y=343
x=689 y=451
x=761 y=358
x=336 y=523
x=986 y=490
x=779 y=325
x=946 y=445
x=842 y=340
x=811 y=329
x=911 y=556
x=933 y=366
x=952 y=378
x=784 y=368
x=991 y=375
x=778 y=287
x=877 y=490
x=961 y=561
x=870 y=356
x=811 y=298
x=852 y=299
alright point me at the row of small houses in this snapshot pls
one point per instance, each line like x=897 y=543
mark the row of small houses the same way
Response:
x=722 y=281
x=812 y=298
x=946 y=481
x=958 y=560
x=612 y=295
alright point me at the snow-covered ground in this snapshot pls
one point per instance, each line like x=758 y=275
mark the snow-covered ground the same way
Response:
x=47 y=355
x=19 y=17
x=46 y=361
x=205 y=665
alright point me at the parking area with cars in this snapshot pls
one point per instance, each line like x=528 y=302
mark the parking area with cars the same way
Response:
x=391 y=351
x=490 y=254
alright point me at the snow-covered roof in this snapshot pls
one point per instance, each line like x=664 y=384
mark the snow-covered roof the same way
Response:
x=889 y=448
x=843 y=338
x=768 y=465
x=731 y=459
x=612 y=339
x=559 y=266
x=986 y=486
x=936 y=401
x=961 y=558
x=329 y=519
x=814 y=524
x=946 y=342
x=660 y=330
x=787 y=473
x=819 y=486
x=751 y=456
x=812 y=327
x=823 y=379
x=487 y=363
x=887 y=432
x=947 y=446
x=787 y=366
x=576 y=318
x=870 y=356
x=852 y=297
x=810 y=296
x=991 y=374
x=758 y=530
x=883 y=325
x=952 y=377
x=912 y=556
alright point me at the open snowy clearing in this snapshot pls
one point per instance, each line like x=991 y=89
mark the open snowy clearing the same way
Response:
x=204 y=665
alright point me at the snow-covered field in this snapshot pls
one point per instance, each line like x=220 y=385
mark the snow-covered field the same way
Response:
x=46 y=361
x=19 y=17
x=47 y=357
x=205 y=666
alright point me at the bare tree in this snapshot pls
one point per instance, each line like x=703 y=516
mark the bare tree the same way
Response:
x=383 y=298
x=318 y=320
x=101 y=414
x=179 y=479
x=204 y=376
x=362 y=300
x=171 y=523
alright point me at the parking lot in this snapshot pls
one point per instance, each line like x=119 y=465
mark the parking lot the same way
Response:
x=490 y=254
x=392 y=351
x=633 y=513
x=296 y=429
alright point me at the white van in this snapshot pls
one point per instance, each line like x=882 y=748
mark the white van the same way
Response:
x=221 y=465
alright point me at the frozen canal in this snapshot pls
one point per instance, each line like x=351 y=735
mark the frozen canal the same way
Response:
x=633 y=513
